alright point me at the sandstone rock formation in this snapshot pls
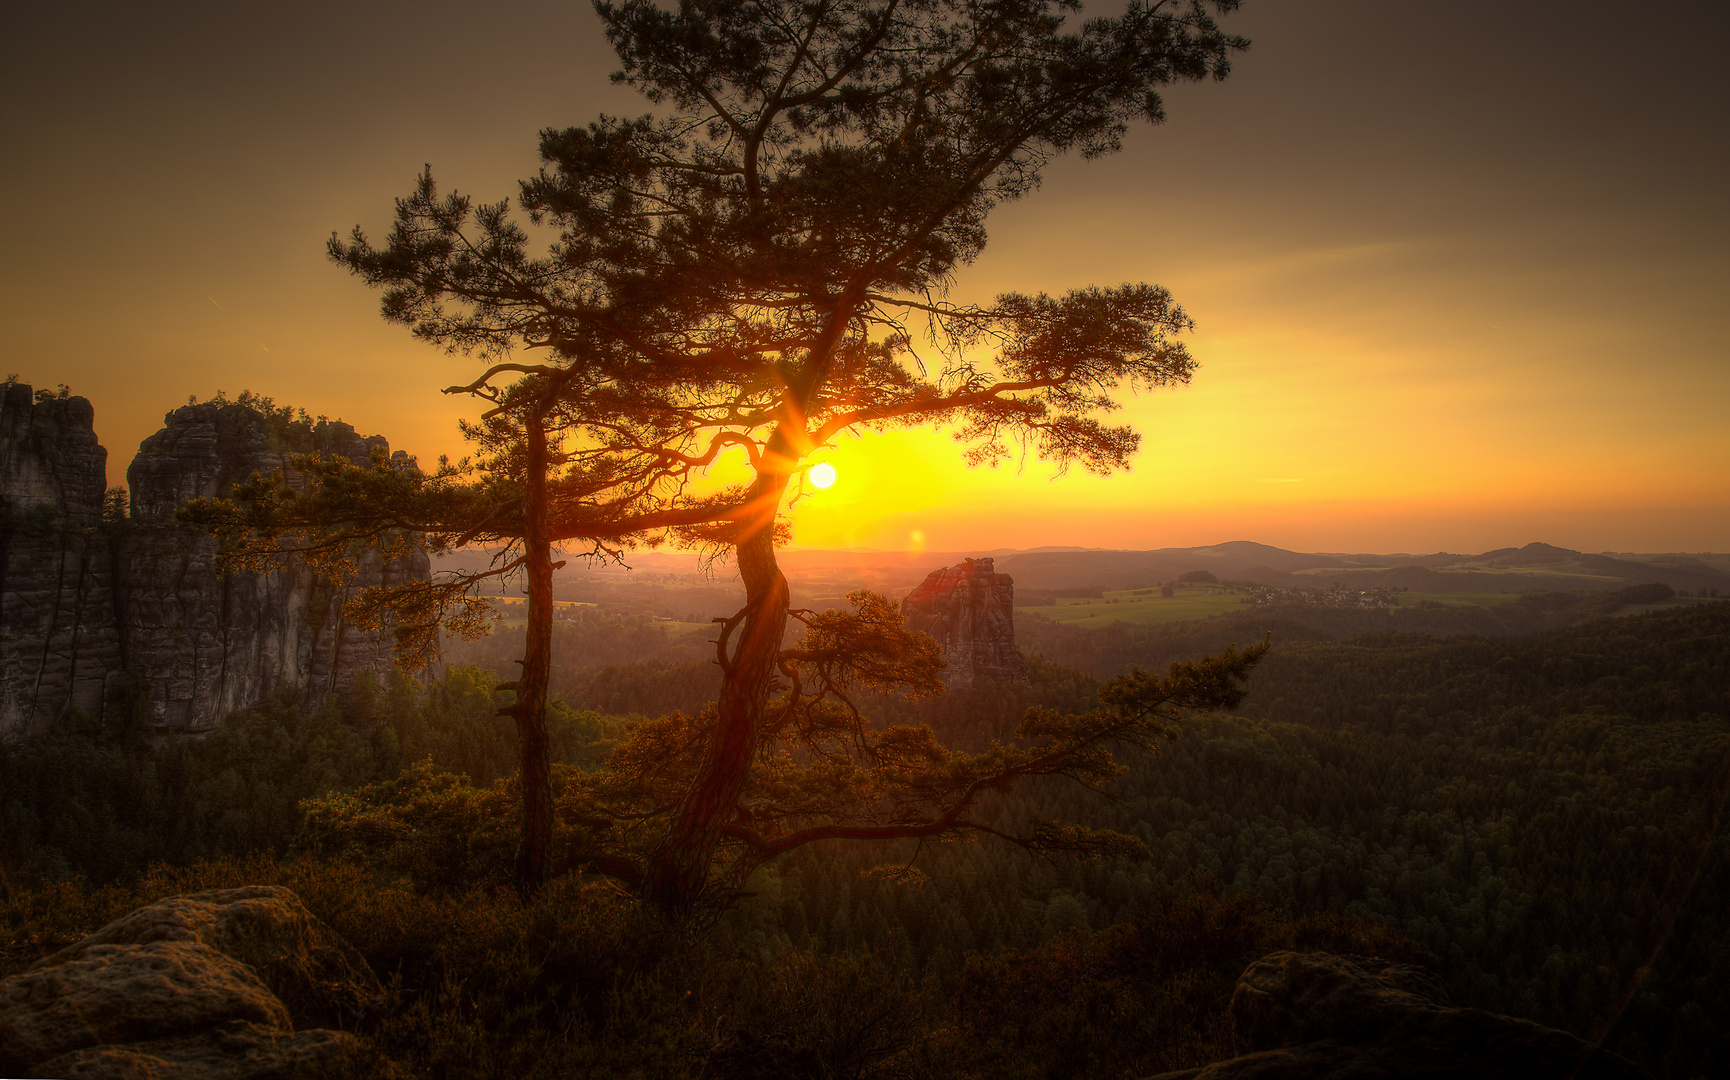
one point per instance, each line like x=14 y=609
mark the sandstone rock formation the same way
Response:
x=49 y=457
x=1309 y=1016
x=59 y=644
x=208 y=644
x=95 y=611
x=224 y=984
x=968 y=609
x=311 y=970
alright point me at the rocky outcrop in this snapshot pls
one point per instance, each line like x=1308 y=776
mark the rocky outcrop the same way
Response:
x=207 y=644
x=968 y=609
x=1310 y=1016
x=128 y=611
x=49 y=457
x=59 y=644
x=316 y=975
x=233 y=983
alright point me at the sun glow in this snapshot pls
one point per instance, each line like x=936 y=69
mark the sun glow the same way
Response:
x=821 y=475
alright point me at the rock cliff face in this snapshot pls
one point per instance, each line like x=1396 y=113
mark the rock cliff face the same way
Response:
x=208 y=644
x=967 y=608
x=58 y=641
x=94 y=611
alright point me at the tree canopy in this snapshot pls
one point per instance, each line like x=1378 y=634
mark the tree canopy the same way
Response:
x=758 y=265
x=763 y=264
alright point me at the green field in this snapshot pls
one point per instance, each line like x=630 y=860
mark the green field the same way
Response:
x=1139 y=607
x=671 y=627
x=1492 y=599
x=1464 y=599
x=687 y=627
x=515 y=618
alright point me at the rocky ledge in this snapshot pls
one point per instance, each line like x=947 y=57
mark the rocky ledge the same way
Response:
x=1317 y=1016
x=215 y=986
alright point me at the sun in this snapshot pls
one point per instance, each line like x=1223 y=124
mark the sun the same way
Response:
x=821 y=475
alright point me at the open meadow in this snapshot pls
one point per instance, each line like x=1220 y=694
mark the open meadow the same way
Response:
x=1141 y=606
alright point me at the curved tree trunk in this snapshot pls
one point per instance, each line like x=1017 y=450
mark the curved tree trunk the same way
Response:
x=678 y=870
x=534 y=856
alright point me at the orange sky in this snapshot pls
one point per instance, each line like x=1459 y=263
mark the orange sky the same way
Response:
x=1456 y=288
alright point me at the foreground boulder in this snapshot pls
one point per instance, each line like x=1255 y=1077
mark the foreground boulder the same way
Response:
x=211 y=985
x=1316 y=1015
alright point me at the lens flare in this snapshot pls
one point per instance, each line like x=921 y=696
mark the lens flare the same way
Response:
x=821 y=475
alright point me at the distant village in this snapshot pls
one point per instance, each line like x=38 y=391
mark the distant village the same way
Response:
x=1335 y=595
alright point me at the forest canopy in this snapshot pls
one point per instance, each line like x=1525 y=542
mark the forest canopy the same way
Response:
x=1537 y=818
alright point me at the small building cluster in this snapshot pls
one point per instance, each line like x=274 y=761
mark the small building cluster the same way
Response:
x=1335 y=595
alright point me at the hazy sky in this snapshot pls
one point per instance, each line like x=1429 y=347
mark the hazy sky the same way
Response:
x=1460 y=271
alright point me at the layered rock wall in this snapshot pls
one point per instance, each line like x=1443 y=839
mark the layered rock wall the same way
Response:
x=92 y=611
x=58 y=641
x=968 y=609
x=207 y=644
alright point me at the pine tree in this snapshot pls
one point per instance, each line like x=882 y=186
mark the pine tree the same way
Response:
x=761 y=264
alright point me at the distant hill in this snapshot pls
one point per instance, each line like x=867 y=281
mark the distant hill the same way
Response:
x=1535 y=566
x=671 y=584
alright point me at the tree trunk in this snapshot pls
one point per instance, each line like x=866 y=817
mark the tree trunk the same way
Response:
x=534 y=856
x=678 y=870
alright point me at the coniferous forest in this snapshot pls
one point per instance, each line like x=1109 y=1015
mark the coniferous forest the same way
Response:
x=1538 y=818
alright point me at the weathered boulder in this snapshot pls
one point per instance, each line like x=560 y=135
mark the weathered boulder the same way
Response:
x=1310 y=1016
x=969 y=609
x=238 y=1051
x=207 y=985
x=320 y=977
x=1286 y=998
x=127 y=993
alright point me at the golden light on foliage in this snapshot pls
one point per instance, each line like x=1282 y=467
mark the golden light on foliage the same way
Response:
x=822 y=475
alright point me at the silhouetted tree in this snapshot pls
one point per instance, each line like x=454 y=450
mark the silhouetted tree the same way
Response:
x=331 y=509
x=761 y=265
